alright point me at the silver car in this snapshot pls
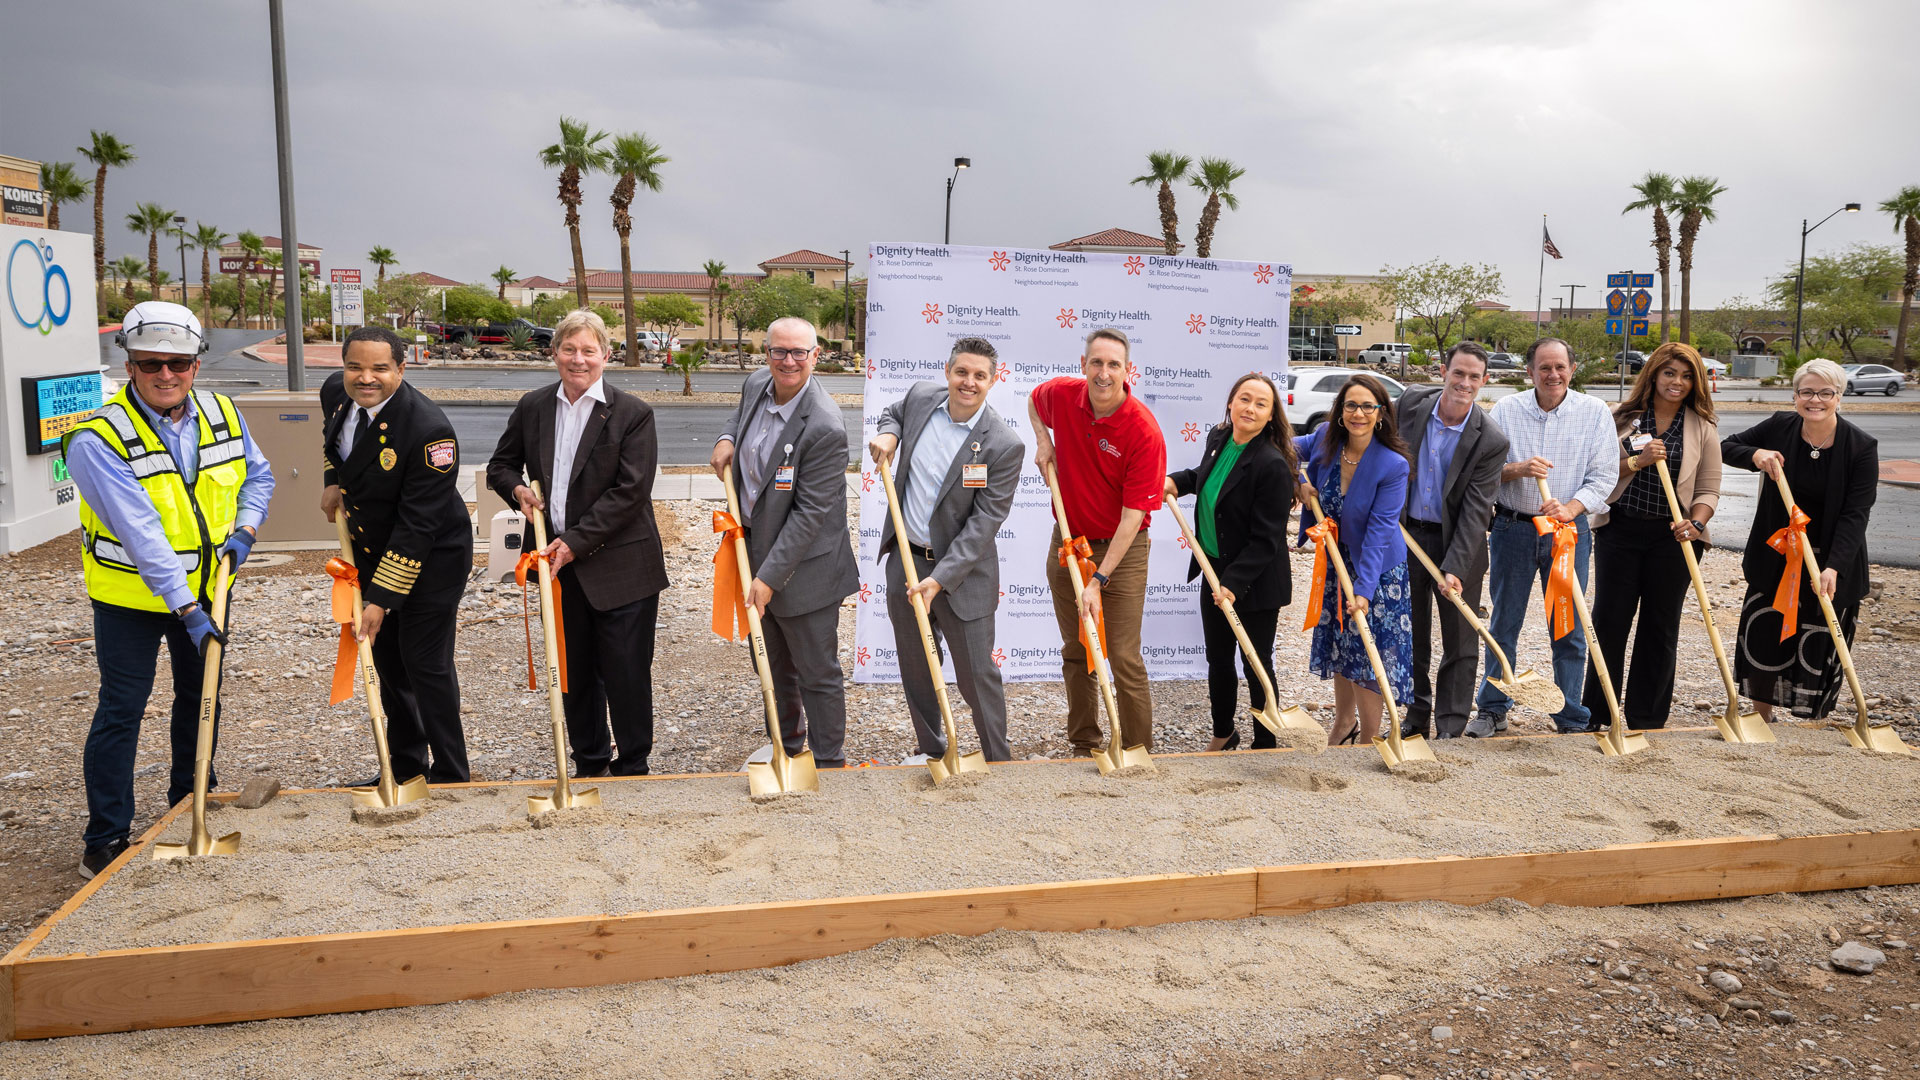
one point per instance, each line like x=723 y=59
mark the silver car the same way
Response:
x=1872 y=378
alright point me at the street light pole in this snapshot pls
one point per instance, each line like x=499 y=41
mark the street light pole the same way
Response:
x=1571 y=290
x=289 y=245
x=180 y=230
x=846 y=297
x=1800 y=282
x=946 y=236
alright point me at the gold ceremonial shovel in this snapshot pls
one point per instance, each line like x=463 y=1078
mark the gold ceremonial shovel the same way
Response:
x=1616 y=741
x=1394 y=748
x=1734 y=725
x=564 y=796
x=1862 y=733
x=387 y=793
x=1273 y=716
x=198 y=842
x=1529 y=688
x=785 y=772
x=1115 y=756
x=953 y=761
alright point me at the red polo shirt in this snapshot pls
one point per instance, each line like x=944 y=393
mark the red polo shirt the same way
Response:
x=1106 y=465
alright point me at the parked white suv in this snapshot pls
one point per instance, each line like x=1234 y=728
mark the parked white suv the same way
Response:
x=1386 y=353
x=1310 y=392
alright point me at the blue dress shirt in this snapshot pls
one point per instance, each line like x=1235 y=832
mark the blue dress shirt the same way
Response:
x=939 y=441
x=1436 y=454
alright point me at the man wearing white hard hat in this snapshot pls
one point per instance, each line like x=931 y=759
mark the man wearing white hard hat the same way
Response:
x=170 y=483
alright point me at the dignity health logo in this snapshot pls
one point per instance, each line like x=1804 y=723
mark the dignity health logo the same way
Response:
x=999 y=260
x=30 y=288
x=931 y=313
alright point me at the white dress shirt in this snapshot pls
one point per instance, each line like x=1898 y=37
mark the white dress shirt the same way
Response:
x=353 y=419
x=569 y=421
x=1577 y=436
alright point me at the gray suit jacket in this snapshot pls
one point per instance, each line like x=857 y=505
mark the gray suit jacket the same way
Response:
x=965 y=519
x=798 y=539
x=1466 y=502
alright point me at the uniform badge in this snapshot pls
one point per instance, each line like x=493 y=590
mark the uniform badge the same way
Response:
x=388 y=459
x=442 y=454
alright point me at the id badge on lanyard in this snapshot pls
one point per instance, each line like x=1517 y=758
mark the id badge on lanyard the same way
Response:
x=973 y=474
x=783 y=476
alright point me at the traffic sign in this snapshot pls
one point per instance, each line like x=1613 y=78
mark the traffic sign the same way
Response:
x=1643 y=281
x=1620 y=281
x=1346 y=330
x=1642 y=302
x=1616 y=302
x=1639 y=328
x=1614 y=325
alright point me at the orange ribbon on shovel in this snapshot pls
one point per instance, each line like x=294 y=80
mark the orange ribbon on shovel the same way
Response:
x=1561 y=580
x=1077 y=556
x=527 y=560
x=1324 y=535
x=345 y=580
x=729 y=606
x=1790 y=542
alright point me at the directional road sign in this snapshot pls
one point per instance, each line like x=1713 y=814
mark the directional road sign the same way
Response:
x=1619 y=281
x=1642 y=302
x=1643 y=281
x=1614 y=326
x=1616 y=302
x=1639 y=328
x=1346 y=330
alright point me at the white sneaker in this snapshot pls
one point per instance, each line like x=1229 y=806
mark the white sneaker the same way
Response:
x=917 y=759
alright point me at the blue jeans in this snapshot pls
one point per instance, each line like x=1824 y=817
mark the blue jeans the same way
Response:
x=126 y=644
x=1517 y=557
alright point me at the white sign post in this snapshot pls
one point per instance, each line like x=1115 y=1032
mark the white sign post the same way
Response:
x=349 y=306
x=1195 y=326
x=49 y=377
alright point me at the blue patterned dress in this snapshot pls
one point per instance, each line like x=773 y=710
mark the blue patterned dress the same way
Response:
x=1389 y=614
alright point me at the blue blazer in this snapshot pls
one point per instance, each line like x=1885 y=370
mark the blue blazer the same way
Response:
x=1369 y=511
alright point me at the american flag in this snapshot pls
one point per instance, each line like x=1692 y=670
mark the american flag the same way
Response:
x=1546 y=240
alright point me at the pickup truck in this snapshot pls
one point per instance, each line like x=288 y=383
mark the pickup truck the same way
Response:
x=491 y=333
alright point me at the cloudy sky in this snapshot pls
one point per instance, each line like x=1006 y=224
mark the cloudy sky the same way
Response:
x=1373 y=132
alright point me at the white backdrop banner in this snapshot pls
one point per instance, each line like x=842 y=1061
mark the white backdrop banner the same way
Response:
x=1195 y=326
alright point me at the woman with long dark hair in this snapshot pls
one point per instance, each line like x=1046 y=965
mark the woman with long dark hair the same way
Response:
x=1245 y=486
x=1358 y=465
x=1637 y=563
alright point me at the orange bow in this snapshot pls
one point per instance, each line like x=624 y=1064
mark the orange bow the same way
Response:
x=1077 y=556
x=1791 y=542
x=1561 y=579
x=346 y=583
x=1324 y=536
x=729 y=605
x=529 y=559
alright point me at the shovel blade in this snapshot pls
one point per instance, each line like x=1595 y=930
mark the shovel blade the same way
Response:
x=1131 y=757
x=1739 y=727
x=1630 y=743
x=225 y=845
x=578 y=799
x=1412 y=748
x=946 y=768
x=1880 y=738
x=769 y=778
x=169 y=851
x=1298 y=717
x=412 y=791
x=1534 y=690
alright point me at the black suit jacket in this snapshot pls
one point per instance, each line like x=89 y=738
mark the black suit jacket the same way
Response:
x=610 y=527
x=1852 y=484
x=412 y=538
x=1473 y=478
x=1249 y=521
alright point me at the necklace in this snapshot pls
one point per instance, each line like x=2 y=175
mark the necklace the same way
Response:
x=1813 y=451
x=1356 y=461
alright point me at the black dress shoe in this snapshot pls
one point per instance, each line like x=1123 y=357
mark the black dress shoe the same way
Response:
x=100 y=858
x=1412 y=730
x=371 y=781
x=590 y=774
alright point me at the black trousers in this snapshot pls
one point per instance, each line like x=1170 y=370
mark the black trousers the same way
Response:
x=420 y=690
x=609 y=680
x=1224 y=664
x=1443 y=702
x=126 y=645
x=1637 y=566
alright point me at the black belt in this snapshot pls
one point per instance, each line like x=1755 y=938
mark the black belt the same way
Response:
x=1509 y=512
x=1417 y=523
x=923 y=552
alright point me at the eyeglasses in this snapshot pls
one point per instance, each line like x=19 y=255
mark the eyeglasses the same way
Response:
x=782 y=354
x=152 y=367
x=1360 y=406
x=1816 y=395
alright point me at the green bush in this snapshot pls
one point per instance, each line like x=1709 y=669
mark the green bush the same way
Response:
x=830 y=367
x=519 y=337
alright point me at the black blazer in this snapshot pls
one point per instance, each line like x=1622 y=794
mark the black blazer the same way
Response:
x=611 y=530
x=412 y=537
x=1473 y=477
x=1852 y=482
x=1249 y=521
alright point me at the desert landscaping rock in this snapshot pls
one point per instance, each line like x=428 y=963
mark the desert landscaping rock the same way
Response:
x=258 y=792
x=1725 y=982
x=1857 y=959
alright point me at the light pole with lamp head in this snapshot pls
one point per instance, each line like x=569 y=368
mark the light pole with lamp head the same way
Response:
x=1800 y=282
x=846 y=299
x=180 y=230
x=959 y=163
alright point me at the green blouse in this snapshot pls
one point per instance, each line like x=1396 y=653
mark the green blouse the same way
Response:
x=1210 y=494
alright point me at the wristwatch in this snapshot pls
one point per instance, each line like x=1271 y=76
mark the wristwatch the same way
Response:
x=1100 y=579
x=1697 y=526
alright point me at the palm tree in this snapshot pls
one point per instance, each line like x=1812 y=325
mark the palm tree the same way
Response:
x=575 y=155
x=275 y=260
x=1694 y=203
x=62 y=185
x=206 y=238
x=106 y=152
x=151 y=218
x=1164 y=167
x=1904 y=208
x=252 y=248
x=381 y=258
x=1216 y=175
x=1657 y=192
x=129 y=268
x=714 y=269
x=636 y=159
x=503 y=276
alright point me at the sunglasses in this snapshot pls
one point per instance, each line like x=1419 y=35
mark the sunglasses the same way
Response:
x=152 y=367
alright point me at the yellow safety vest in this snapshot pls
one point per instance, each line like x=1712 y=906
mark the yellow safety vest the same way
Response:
x=196 y=522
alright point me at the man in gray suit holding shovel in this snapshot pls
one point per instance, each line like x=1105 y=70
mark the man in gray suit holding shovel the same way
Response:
x=788 y=448
x=957 y=469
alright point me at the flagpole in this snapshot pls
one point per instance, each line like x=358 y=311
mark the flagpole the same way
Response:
x=1540 y=287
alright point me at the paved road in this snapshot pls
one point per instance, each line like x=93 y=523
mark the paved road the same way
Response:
x=686 y=433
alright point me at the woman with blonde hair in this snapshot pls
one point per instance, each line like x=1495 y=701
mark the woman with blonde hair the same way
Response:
x=1637 y=563
x=1833 y=468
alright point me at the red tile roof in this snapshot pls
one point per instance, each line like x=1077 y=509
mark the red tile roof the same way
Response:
x=435 y=279
x=806 y=257
x=690 y=281
x=537 y=282
x=1115 y=237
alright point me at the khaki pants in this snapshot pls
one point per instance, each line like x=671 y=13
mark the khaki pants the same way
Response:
x=1123 y=600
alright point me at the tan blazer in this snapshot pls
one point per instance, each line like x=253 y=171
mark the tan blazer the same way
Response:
x=1697 y=480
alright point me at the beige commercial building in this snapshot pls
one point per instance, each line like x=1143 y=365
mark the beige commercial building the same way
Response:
x=21 y=200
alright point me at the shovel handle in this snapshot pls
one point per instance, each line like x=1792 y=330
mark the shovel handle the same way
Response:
x=1091 y=628
x=1618 y=731
x=1270 y=715
x=369 y=678
x=903 y=551
x=1366 y=633
x=1700 y=593
x=1439 y=583
x=756 y=637
x=1840 y=648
